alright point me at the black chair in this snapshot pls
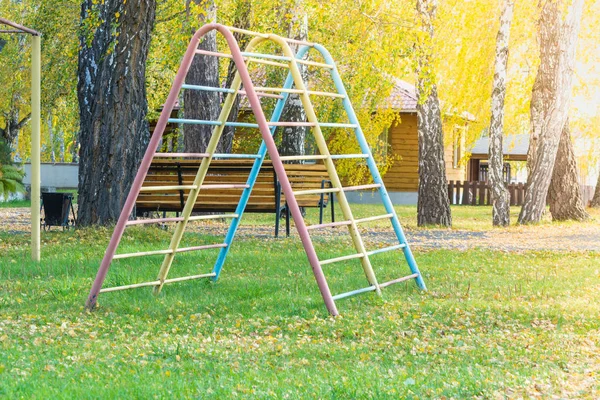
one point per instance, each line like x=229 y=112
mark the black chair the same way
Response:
x=56 y=208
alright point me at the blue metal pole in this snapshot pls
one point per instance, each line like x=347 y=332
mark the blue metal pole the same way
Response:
x=385 y=198
x=262 y=151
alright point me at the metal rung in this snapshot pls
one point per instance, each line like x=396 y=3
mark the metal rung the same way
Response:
x=207 y=88
x=385 y=249
x=352 y=293
x=340 y=156
x=234 y=186
x=405 y=278
x=141 y=254
x=343 y=258
x=124 y=287
x=168 y=251
x=294 y=158
x=187 y=278
x=163 y=188
x=188 y=155
x=316 y=191
x=226 y=90
x=178 y=219
x=223 y=155
x=156 y=283
x=267 y=56
x=266 y=36
x=342 y=223
x=153 y=221
x=375 y=218
x=267 y=62
x=253 y=125
x=254 y=58
x=205 y=247
x=211 y=123
x=213 y=216
x=193 y=121
x=336 y=125
x=362 y=187
x=315 y=64
x=329 y=225
x=299 y=91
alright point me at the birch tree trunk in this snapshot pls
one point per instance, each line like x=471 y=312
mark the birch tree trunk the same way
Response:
x=596 y=199
x=555 y=76
x=112 y=103
x=564 y=194
x=293 y=137
x=204 y=71
x=499 y=194
x=433 y=205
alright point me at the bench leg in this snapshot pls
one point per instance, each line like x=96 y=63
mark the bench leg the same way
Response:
x=321 y=203
x=287 y=220
x=332 y=201
x=277 y=217
x=277 y=206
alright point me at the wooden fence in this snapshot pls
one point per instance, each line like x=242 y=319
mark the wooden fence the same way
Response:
x=478 y=193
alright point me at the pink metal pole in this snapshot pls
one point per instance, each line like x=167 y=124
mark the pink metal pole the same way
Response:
x=146 y=161
x=280 y=170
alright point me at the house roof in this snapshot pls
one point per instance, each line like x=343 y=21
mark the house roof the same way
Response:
x=404 y=99
x=403 y=96
x=514 y=147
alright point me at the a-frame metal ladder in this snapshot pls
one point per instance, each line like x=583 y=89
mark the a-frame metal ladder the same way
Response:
x=293 y=84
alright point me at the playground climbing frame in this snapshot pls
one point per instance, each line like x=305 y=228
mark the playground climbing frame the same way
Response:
x=294 y=84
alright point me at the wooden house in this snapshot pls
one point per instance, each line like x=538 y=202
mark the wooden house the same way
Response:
x=402 y=179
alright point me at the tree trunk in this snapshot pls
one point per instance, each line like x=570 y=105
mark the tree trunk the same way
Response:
x=433 y=205
x=201 y=104
x=499 y=194
x=596 y=199
x=242 y=21
x=112 y=103
x=13 y=126
x=51 y=136
x=294 y=137
x=564 y=194
x=553 y=83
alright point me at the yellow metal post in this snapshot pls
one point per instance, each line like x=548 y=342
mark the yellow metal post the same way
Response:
x=35 y=145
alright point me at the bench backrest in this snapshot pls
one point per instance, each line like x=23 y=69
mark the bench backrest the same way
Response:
x=168 y=172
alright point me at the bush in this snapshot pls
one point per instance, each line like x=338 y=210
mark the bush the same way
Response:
x=11 y=175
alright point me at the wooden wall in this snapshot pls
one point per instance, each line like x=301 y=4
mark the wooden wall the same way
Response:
x=403 y=176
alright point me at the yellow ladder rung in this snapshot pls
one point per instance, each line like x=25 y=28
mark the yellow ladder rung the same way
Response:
x=167 y=187
x=316 y=191
x=343 y=258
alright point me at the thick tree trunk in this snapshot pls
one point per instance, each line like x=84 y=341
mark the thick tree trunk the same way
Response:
x=293 y=137
x=596 y=199
x=564 y=194
x=112 y=103
x=433 y=205
x=555 y=76
x=200 y=104
x=499 y=194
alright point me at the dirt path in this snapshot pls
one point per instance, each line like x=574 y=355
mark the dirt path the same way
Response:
x=569 y=237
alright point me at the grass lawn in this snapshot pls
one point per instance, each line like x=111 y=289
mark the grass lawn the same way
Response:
x=15 y=203
x=493 y=324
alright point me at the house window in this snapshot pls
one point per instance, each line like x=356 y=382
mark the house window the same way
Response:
x=457 y=146
x=382 y=142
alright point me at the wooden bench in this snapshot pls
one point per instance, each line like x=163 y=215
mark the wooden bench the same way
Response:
x=266 y=196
